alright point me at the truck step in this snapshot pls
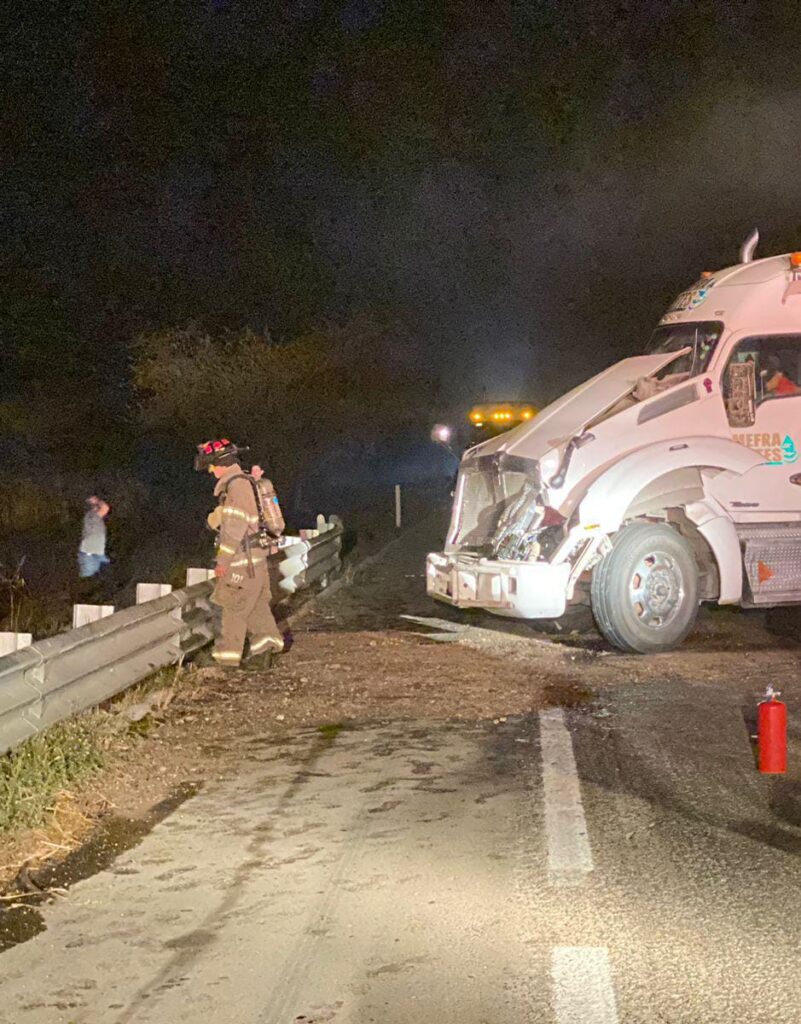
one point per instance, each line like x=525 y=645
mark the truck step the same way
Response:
x=772 y=559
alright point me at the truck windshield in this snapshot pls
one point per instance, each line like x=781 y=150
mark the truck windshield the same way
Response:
x=700 y=338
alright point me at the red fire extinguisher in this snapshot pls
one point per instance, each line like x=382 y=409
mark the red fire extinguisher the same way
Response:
x=772 y=734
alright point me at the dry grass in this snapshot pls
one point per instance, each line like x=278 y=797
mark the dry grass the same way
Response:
x=40 y=617
x=24 y=612
x=37 y=777
x=34 y=774
x=63 y=831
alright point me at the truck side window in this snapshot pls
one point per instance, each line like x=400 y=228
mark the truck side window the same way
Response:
x=777 y=366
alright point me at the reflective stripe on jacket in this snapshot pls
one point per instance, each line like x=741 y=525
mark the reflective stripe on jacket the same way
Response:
x=239 y=519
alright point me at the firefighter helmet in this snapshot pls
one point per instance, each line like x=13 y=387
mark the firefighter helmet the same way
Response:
x=221 y=452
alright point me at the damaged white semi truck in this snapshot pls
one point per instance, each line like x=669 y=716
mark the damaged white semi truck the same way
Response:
x=669 y=479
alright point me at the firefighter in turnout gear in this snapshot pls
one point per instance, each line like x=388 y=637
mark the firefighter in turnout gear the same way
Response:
x=250 y=522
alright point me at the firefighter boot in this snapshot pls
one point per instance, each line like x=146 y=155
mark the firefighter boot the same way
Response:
x=258 y=663
x=262 y=652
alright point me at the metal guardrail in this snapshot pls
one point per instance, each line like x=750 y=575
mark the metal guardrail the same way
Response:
x=310 y=559
x=58 y=677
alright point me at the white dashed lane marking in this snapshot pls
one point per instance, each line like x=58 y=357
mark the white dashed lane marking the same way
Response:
x=583 y=992
x=569 y=854
x=582 y=986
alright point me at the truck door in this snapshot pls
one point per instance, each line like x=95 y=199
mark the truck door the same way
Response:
x=775 y=433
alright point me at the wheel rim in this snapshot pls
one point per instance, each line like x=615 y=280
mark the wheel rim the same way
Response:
x=656 y=590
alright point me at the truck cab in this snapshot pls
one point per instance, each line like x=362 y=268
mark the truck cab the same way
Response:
x=668 y=479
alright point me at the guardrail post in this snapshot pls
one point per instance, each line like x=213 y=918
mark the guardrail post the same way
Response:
x=83 y=614
x=194 y=576
x=150 y=591
x=10 y=642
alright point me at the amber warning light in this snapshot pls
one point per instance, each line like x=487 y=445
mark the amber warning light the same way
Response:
x=501 y=415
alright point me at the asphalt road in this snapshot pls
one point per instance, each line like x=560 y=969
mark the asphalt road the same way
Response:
x=612 y=859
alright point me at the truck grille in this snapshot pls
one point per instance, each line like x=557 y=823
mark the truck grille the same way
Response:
x=487 y=486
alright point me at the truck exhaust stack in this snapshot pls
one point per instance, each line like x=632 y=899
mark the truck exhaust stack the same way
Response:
x=748 y=246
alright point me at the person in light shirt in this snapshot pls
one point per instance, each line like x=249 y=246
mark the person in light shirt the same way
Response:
x=92 y=551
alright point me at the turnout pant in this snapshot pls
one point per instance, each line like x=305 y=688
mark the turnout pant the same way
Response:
x=246 y=612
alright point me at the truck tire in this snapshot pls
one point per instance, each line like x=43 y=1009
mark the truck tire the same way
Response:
x=645 y=590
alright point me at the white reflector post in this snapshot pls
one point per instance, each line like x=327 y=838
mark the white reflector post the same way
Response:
x=397 y=506
x=10 y=642
x=83 y=614
x=150 y=591
x=194 y=576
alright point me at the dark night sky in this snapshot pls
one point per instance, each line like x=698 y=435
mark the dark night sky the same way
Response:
x=528 y=182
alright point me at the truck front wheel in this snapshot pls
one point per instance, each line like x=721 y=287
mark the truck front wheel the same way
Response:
x=645 y=590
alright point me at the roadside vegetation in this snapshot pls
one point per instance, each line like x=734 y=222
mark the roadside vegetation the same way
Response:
x=331 y=391
x=35 y=777
x=313 y=407
x=38 y=777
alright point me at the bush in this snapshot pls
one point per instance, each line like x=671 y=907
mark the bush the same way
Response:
x=29 y=506
x=338 y=384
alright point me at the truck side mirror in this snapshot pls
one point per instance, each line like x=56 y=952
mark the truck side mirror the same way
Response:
x=741 y=404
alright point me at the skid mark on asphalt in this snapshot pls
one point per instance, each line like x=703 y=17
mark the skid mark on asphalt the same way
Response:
x=582 y=986
x=301 y=958
x=569 y=854
x=185 y=950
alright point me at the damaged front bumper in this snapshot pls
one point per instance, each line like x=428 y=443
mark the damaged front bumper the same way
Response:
x=521 y=590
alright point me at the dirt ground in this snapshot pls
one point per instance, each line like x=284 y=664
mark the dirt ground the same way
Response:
x=377 y=649
x=330 y=679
